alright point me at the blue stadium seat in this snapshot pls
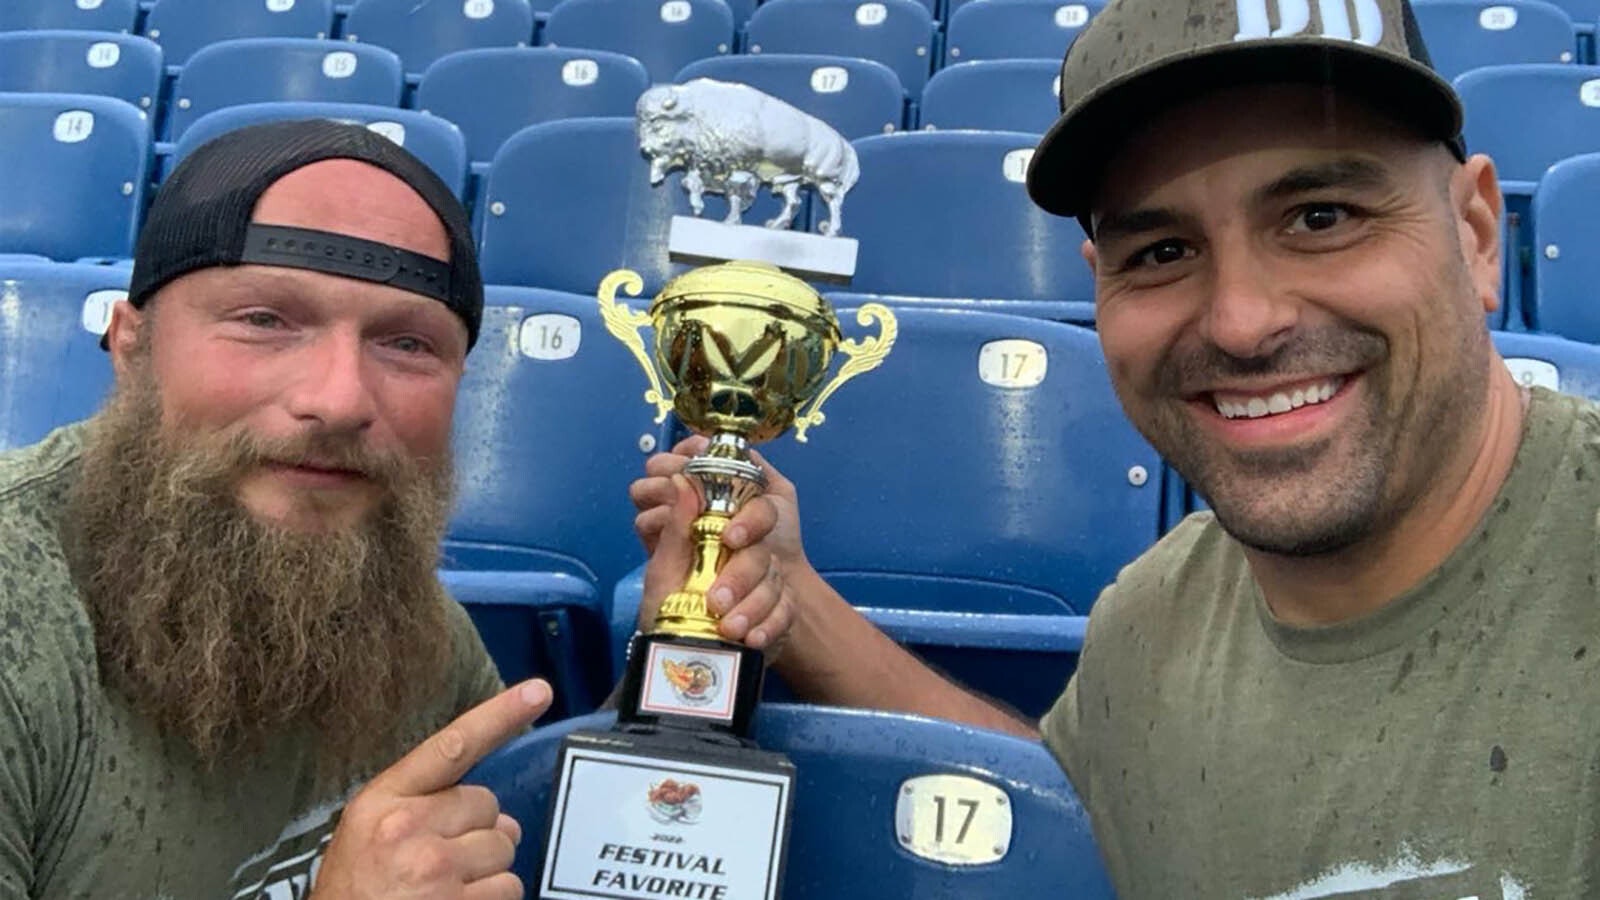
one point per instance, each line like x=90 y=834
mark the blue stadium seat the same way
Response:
x=664 y=35
x=74 y=180
x=1572 y=367
x=492 y=93
x=1528 y=117
x=265 y=70
x=993 y=95
x=1044 y=491
x=1468 y=34
x=976 y=236
x=897 y=33
x=423 y=32
x=123 y=66
x=1566 y=269
x=1016 y=29
x=853 y=766
x=550 y=428
x=183 y=26
x=433 y=140
x=108 y=15
x=858 y=97
x=567 y=202
x=52 y=370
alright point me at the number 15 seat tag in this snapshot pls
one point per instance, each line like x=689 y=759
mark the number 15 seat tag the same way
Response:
x=953 y=819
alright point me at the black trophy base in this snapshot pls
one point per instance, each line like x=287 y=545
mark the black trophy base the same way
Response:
x=691 y=684
x=673 y=813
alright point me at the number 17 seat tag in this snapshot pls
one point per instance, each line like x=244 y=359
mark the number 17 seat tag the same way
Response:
x=953 y=819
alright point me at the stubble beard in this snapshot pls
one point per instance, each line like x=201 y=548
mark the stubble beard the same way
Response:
x=229 y=632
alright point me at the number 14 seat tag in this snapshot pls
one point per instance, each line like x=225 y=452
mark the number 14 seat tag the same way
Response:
x=953 y=819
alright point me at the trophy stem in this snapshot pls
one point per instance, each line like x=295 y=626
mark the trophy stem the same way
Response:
x=685 y=612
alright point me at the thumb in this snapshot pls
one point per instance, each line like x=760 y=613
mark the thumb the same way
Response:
x=674 y=555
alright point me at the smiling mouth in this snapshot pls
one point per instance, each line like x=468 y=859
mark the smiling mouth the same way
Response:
x=1241 y=405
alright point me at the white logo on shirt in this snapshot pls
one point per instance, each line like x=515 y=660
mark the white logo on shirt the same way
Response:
x=1294 y=17
x=1407 y=875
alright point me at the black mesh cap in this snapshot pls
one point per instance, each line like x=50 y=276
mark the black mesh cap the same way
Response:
x=201 y=217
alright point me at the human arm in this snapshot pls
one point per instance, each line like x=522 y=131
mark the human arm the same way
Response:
x=825 y=649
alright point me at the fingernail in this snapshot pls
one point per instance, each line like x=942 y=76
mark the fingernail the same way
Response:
x=678 y=481
x=756 y=639
x=735 y=536
x=721 y=599
x=737 y=624
x=534 y=693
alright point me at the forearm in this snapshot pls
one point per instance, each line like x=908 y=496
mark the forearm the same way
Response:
x=834 y=655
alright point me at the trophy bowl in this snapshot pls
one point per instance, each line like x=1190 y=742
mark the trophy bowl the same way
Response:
x=742 y=346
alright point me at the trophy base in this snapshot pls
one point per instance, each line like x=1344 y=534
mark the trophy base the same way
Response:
x=692 y=684
x=814 y=256
x=637 y=816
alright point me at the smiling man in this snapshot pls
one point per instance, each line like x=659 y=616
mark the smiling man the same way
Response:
x=1362 y=676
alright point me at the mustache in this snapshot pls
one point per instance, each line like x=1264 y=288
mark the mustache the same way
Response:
x=239 y=451
x=1306 y=354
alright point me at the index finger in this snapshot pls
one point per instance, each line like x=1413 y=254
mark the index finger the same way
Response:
x=440 y=761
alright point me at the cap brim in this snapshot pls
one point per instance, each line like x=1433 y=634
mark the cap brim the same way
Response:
x=1068 y=163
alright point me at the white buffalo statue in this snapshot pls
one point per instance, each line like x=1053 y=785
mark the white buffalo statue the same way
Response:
x=731 y=138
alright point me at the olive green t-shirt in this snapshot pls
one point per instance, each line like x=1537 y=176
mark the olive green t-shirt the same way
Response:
x=94 y=801
x=1444 y=747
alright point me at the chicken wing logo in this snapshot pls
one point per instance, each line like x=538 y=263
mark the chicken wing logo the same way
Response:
x=695 y=681
x=673 y=803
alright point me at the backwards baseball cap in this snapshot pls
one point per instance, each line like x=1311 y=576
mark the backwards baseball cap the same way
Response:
x=201 y=217
x=1138 y=57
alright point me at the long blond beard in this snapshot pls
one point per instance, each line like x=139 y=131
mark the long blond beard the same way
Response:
x=226 y=630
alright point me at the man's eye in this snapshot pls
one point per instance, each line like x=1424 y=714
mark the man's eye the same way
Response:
x=261 y=319
x=1320 y=217
x=1161 y=253
x=409 y=345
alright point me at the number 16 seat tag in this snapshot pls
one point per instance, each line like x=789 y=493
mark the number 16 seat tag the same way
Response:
x=953 y=819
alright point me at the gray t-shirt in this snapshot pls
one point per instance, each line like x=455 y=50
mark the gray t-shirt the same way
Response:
x=1446 y=746
x=94 y=802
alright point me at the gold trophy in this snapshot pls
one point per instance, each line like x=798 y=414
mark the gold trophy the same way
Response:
x=677 y=799
x=741 y=353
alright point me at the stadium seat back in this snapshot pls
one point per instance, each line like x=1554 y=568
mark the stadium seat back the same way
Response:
x=123 y=66
x=858 y=97
x=1468 y=34
x=897 y=33
x=182 y=27
x=433 y=140
x=993 y=95
x=663 y=35
x=550 y=428
x=74 y=180
x=568 y=202
x=1571 y=367
x=946 y=214
x=106 y=15
x=1528 y=117
x=1016 y=29
x=856 y=783
x=52 y=370
x=1566 y=269
x=1038 y=483
x=267 y=70
x=423 y=32
x=492 y=93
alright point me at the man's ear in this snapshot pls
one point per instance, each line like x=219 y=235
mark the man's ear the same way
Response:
x=1090 y=256
x=123 y=335
x=1475 y=193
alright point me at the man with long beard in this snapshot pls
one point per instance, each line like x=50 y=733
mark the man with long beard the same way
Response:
x=219 y=601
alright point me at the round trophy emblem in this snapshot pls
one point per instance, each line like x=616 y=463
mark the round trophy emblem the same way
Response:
x=695 y=680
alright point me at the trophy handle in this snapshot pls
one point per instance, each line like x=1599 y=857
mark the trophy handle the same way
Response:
x=624 y=325
x=861 y=356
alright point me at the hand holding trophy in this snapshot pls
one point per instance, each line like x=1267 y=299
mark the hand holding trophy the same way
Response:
x=741 y=352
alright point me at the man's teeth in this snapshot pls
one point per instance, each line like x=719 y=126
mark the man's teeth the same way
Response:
x=1281 y=402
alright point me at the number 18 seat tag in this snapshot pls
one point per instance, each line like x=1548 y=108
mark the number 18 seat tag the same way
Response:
x=953 y=819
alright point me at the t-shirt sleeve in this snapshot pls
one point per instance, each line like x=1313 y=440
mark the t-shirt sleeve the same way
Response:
x=1062 y=725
